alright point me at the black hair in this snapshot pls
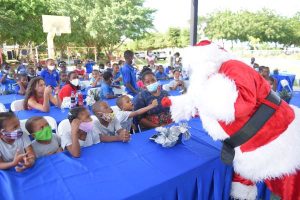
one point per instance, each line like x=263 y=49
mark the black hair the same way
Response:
x=101 y=66
x=177 y=54
x=5 y=116
x=107 y=75
x=147 y=73
x=30 y=121
x=128 y=53
x=74 y=112
x=120 y=62
x=119 y=100
x=176 y=70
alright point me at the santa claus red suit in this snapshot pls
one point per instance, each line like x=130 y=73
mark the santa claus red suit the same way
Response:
x=227 y=93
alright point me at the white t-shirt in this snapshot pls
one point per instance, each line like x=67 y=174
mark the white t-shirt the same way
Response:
x=111 y=129
x=46 y=149
x=124 y=119
x=91 y=138
x=8 y=151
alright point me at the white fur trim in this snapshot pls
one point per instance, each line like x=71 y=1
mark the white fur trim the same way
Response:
x=275 y=159
x=182 y=107
x=241 y=191
x=213 y=128
x=217 y=98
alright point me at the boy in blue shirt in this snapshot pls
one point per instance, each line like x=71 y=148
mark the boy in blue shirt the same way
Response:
x=117 y=77
x=129 y=74
x=7 y=79
x=22 y=83
x=106 y=87
x=161 y=75
x=50 y=75
x=89 y=66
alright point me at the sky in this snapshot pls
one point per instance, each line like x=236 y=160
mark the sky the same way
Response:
x=176 y=13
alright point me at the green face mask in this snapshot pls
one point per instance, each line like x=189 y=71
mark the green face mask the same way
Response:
x=44 y=135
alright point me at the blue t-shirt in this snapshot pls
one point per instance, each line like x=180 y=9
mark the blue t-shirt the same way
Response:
x=51 y=79
x=105 y=90
x=129 y=76
x=116 y=76
x=8 y=86
x=89 y=67
x=161 y=76
x=21 y=69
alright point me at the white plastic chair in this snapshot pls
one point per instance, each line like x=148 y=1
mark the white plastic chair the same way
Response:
x=284 y=83
x=51 y=121
x=63 y=127
x=2 y=108
x=17 y=105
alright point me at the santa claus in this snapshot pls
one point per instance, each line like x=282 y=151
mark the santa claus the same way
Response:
x=261 y=133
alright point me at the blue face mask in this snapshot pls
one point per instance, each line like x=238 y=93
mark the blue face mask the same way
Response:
x=152 y=87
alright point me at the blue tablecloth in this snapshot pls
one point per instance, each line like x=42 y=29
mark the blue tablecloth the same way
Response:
x=7 y=99
x=295 y=99
x=139 y=169
x=289 y=77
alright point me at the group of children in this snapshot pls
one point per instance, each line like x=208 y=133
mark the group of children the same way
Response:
x=19 y=150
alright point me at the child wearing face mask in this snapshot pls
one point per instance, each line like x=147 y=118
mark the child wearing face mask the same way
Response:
x=72 y=85
x=81 y=133
x=50 y=75
x=108 y=125
x=45 y=142
x=15 y=147
x=125 y=112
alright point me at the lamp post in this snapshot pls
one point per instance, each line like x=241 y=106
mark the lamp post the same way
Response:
x=194 y=22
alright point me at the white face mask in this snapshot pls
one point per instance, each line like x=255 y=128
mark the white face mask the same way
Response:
x=51 y=67
x=75 y=82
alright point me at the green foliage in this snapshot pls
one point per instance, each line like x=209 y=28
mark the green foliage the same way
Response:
x=261 y=26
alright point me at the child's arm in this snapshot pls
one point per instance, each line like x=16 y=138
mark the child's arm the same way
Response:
x=55 y=99
x=22 y=88
x=145 y=109
x=29 y=159
x=123 y=136
x=18 y=158
x=74 y=148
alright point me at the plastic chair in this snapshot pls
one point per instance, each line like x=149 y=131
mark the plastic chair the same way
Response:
x=63 y=126
x=2 y=108
x=17 y=105
x=22 y=125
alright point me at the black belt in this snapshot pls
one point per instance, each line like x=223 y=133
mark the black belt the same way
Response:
x=252 y=126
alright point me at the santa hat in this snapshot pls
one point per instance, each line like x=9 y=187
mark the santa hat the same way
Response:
x=203 y=43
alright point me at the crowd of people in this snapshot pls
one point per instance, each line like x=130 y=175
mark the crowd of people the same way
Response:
x=48 y=86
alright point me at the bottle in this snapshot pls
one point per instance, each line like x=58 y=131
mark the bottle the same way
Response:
x=79 y=98
x=73 y=100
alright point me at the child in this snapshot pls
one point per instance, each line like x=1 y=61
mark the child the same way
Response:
x=38 y=96
x=63 y=66
x=7 y=79
x=96 y=78
x=30 y=73
x=117 y=78
x=89 y=66
x=80 y=71
x=81 y=133
x=125 y=112
x=45 y=142
x=107 y=124
x=161 y=75
x=15 y=147
x=50 y=75
x=22 y=83
x=177 y=83
x=106 y=86
x=63 y=76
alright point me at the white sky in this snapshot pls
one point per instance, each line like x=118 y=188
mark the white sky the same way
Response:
x=176 y=13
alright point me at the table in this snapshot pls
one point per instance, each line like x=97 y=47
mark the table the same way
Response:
x=6 y=100
x=139 y=169
x=289 y=77
x=295 y=99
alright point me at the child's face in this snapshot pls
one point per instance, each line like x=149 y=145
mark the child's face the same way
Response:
x=127 y=104
x=10 y=125
x=38 y=125
x=161 y=69
x=40 y=87
x=149 y=79
x=109 y=81
x=79 y=66
x=73 y=76
x=104 y=108
x=116 y=69
x=176 y=75
x=95 y=74
x=24 y=80
x=63 y=77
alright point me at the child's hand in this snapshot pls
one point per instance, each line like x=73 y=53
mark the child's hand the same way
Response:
x=154 y=103
x=48 y=90
x=18 y=157
x=124 y=135
x=28 y=161
x=75 y=124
